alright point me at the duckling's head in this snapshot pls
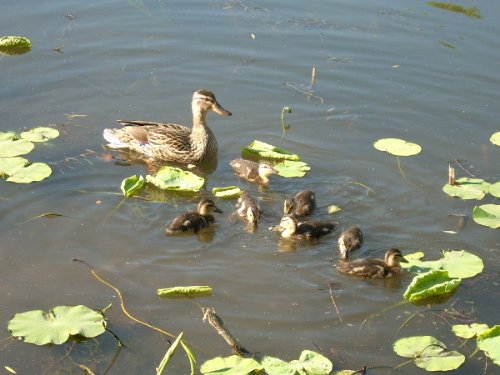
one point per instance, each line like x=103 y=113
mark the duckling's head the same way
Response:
x=207 y=206
x=289 y=205
x=288 y=226
x=204 y=101
x=265 y=170
x=393 y=257
x=253 y=215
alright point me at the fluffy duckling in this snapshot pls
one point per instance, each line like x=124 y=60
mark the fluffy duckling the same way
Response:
x=194 y=221
x=301 y=204
x=349 y=240
x=375 y=268
x=248 y=209
x=305 y=230
x=252 y=171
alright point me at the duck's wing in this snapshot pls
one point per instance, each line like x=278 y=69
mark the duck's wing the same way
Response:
x=169 y=135
x=370 y=268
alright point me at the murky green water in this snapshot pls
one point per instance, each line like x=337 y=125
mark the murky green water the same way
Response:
x=405 y=70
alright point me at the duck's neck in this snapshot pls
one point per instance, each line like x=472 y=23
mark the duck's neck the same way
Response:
x=199 y=117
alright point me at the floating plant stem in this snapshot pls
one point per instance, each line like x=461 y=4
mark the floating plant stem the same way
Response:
x=284 y=126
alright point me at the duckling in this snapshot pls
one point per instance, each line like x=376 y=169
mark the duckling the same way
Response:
x=172 y=142
x=349 y=240
x=375 y=268
x=301 y=204
x=194 y=221
x=252 y=171
x=248 y=209
x=305 y=230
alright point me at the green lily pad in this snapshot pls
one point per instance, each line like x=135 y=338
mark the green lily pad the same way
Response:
x=487 y=215
x=495 y=138
x=5 y=136
x=40 y=134
x=132 y=185
x=232 y=365
x=185 y=291
x=309 y=363
x=430 y=284
x=15 y=147
x=398 y=147
x=171 y=178
x=32 y=173
x=14 y=45
x=495 y=189
x=332 y=209
x=489 y=342
x=315 y=363
x=469 y=331
x=428 y=353
x=467 y=188
x=289 y=168
x=227 y=192
x=265 y=150
x=55 y=327
x=9 y=165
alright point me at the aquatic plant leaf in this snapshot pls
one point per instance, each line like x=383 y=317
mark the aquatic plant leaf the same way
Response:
x=4 y=136
x=226 y=192
x=289 y=168
x=185 y=291
x=487 y=215
x=14 y=45
x=15 y=147
x=472 y=12
x=276 y=366
x=315 y=363
x=430 y=284
x=495 y=138
x=444 y=361
x=309 y=363
x=32 y=173
x=332 y=209
x=40 y=134
x=232 y=365
x=398 y=147
x=190 y=355
x=495 y=189
x=469 y=331
x=55 y=327
x=170 y=352
x=9 y=165
x=346 y=372
x=265 y=150
x=467 y=188
x=132 y=185
x=489 y=342
x=171 y=178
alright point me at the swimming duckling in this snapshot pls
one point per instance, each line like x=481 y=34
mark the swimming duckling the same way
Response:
x=305 y=230
x=248 y=209
x=349 y=240
x=194 y=221
x=301 y=204
x=375 y=268
x=252 y=171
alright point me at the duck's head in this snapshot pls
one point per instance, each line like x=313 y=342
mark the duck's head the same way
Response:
x=393 y=257
x=266 y=170
x=207 y=206
x=288 y=225
x=204 y=101
x=289 y=205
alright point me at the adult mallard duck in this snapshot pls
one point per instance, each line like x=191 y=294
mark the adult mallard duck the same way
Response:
x=194 y=220
x=172 y=142
x=306 y=230
x=350 y=240
x=375 y=268
x=252 y=171
x=248 y=209
x=301 y=204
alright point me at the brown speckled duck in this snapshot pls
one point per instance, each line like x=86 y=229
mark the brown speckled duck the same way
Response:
x=248 y=209
x=349 y=240
x=374 y=268
x=168 y=141
x=195 y=220
x=301 y=204
x=252 y=171
x=306 y=230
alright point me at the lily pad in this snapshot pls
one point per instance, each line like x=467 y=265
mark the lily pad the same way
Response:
x=14 y=45
x=32 y=173
x=309 y=363
x=171 y=178
x=428 y=353
x=265 y=150
x=430 y=284
x=333 y=208
x=495 y=189
x=487 y=215
x=185 y=291
x=467 y=188
x=489 y=342
x=15 y=147
x=9 y=165
x=55 y=327
x=227 y=192
x=4 y=136
x=40 y=134
x=469 y=331
x=232 y=365
x=495 y=138
x=289 y=168
x=398 y=147
x=132 y=185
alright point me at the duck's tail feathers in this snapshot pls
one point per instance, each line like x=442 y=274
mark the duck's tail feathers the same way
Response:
x=113 y=139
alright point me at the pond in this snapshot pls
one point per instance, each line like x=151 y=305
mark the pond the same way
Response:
x=383 y=69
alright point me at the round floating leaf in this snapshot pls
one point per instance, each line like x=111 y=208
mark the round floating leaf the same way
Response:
x=233 y=365
x=495 y=189
x=289 y=168
x=430 y=284
x=55 y=327
x=276 y=366
x=32 y=173
x=469 y=331
x=9 y=165
x=132 y=185
x=185 y=291
x=495 y=138
x=487 y=215
x=467 y=188
x=40 y=134
x=489 y=342
x=444 y=361
x=14 y=45
x=315 y=363
x=171 y=178
x=15 y=147
x=398 y=147
x=265 y=150
x=4 y=136
x=227 y=192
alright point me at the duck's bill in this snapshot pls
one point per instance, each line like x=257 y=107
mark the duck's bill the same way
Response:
x=217 y=108
x=402 y=259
